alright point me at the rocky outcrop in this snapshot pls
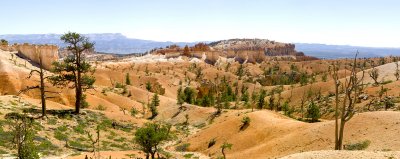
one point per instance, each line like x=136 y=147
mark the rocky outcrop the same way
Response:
x=48 y=53
x=270 y=48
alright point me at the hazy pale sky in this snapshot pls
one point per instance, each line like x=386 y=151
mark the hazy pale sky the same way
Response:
x=353 y=22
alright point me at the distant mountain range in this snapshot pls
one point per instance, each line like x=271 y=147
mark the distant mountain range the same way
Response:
x=120 y=44
x=104 y=42
x=344 y=51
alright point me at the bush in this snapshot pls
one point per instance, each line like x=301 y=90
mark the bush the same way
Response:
x=133 y=112
x=101 y=107
x=182 y=148
x=119 y=85
x=245 y=122
x=357 y=146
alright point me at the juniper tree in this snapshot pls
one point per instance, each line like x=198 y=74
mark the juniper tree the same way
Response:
x=74 y=68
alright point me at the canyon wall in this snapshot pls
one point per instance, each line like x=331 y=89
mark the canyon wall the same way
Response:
x=48 y=53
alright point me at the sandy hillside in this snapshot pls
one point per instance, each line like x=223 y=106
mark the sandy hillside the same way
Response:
x=330 y=154
x=273 y=135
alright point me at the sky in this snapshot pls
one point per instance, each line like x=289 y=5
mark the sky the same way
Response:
x=373 y=23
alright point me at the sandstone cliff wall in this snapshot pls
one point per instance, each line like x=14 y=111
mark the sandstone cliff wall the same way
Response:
x=48 y=53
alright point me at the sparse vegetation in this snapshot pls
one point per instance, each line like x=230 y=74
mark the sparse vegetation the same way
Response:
x=357 y=146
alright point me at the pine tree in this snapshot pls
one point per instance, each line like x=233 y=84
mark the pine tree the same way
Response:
x=127 y=79
x=155 y=102
x=74 y=68
x=313 y=112
x=261 y=99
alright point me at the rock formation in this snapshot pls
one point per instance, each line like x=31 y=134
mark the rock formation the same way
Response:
x=48 y=53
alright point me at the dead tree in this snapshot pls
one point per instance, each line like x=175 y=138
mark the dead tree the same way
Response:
x=352 y=87
x=41 y=85
x=374 y=74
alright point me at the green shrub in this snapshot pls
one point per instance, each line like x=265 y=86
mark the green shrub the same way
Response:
x=101 y=107
x=245 y=122
x=119 y=85
x=133 y=112
x=357 y=146
x=182 y=148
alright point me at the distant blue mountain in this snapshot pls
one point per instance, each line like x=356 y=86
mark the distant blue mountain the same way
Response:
x=105 y=42
x=120 y=44
x=344 y=51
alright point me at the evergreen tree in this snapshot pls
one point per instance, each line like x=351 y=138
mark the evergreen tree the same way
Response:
x=313 y=112
x=148 y=86
x=190 y=95
x=127 y=79
x=155 y=102
x=261 y=99
x=74 y=68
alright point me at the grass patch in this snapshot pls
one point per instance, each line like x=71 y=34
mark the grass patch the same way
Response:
x=121 y=139
x=3 y=152
x=123 y=146
x=62 y=128
x=46 y=147
x=189 y=155
x=60 y=135
x=80 y=128
x=52 y=121
x=358 y=146
x=78 y=144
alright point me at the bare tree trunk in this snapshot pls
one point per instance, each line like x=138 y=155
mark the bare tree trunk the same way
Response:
x=42 y=86
x=78 y=86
